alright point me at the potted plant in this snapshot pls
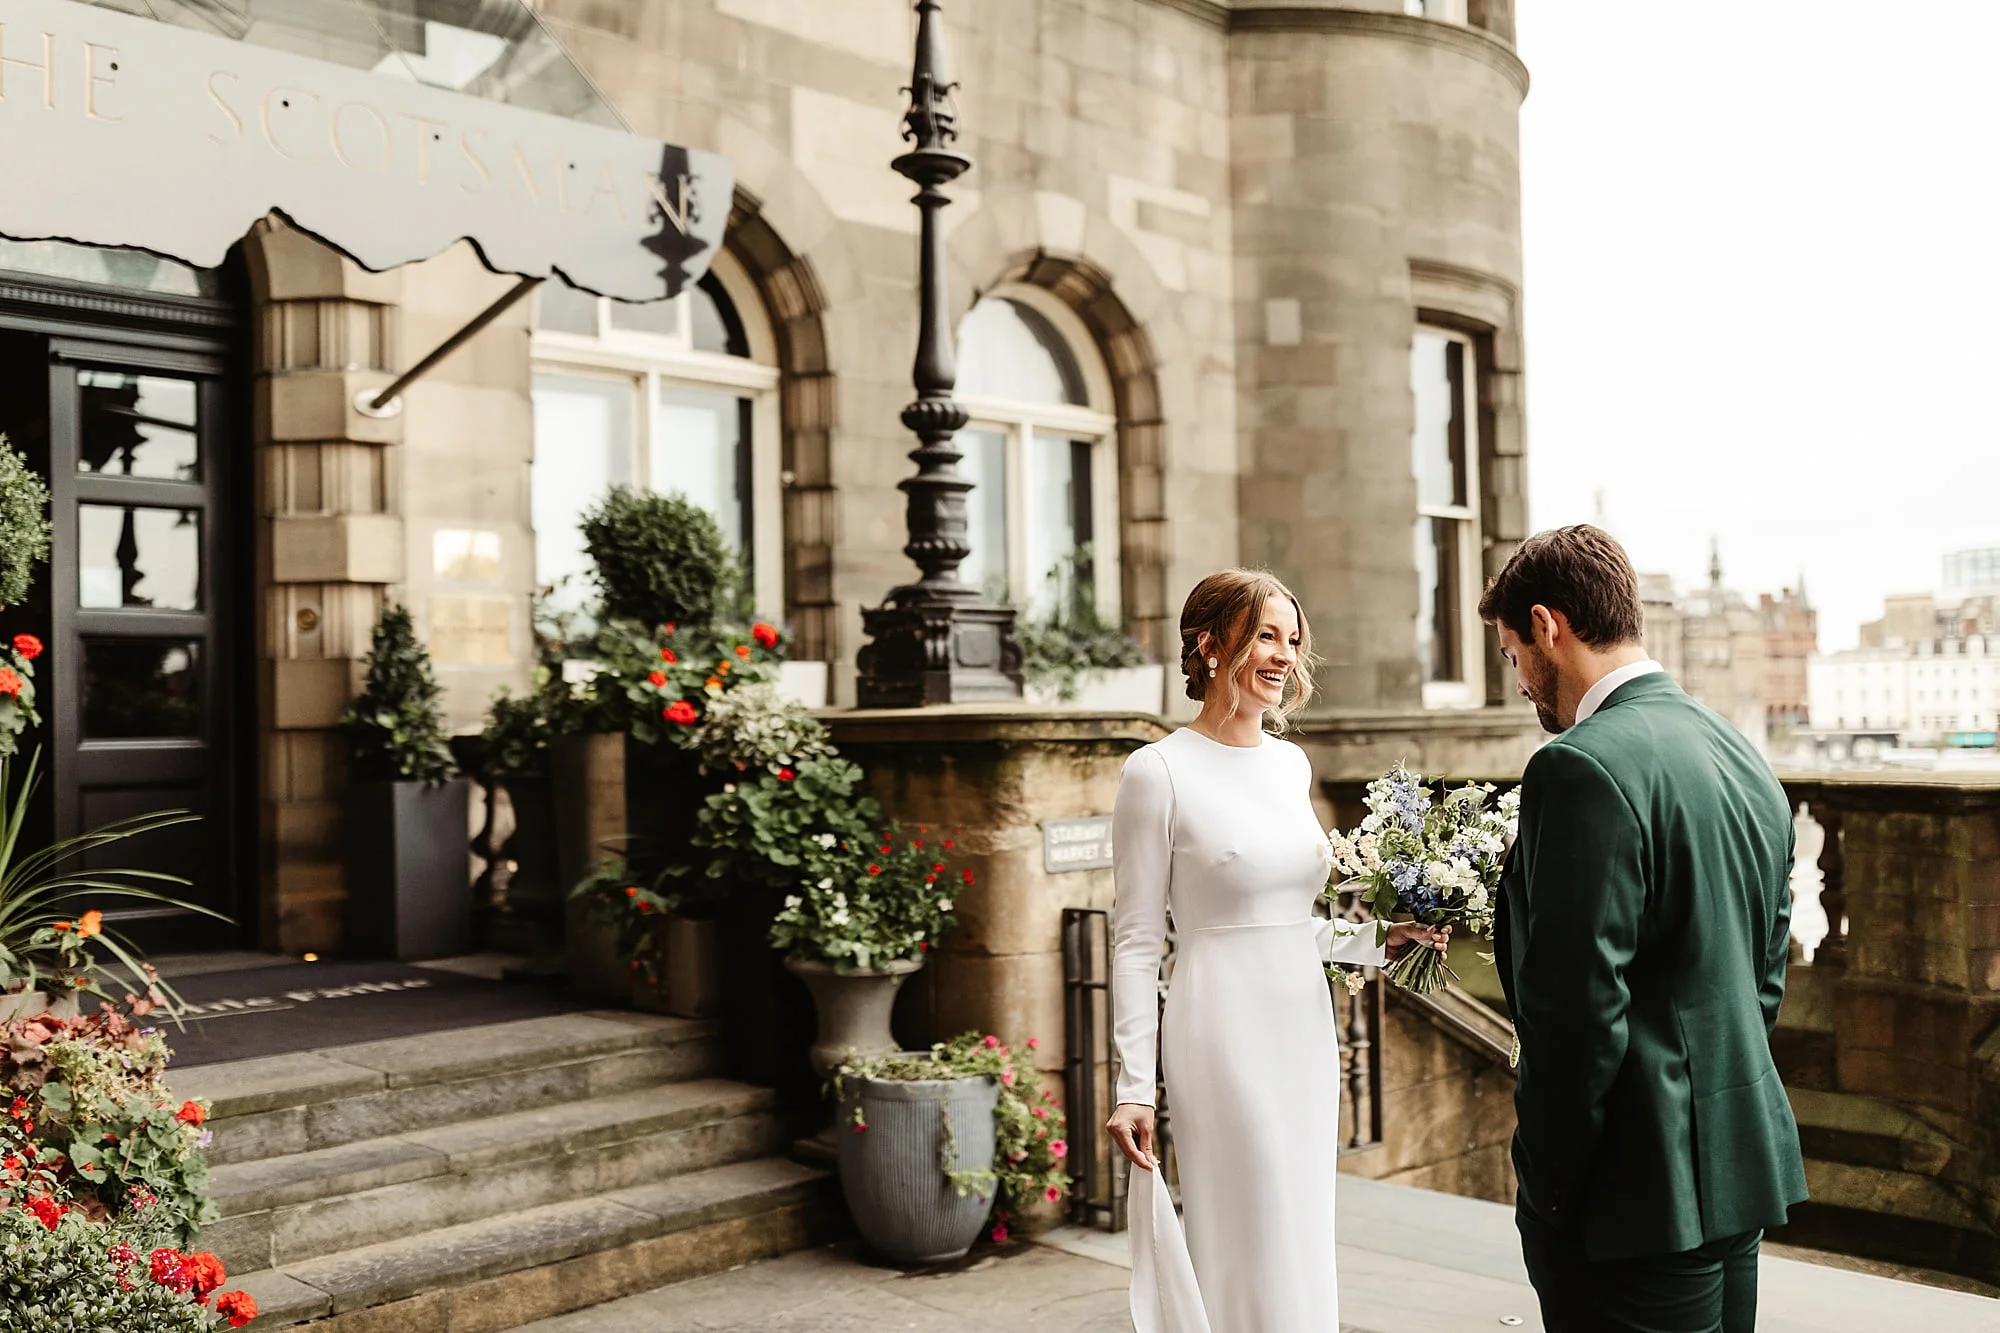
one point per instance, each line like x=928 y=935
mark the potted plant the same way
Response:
x=24 y=543
x=1071 y=656
x=862 y=921
x=519 y=737
x=408 y=889
x=936 y=1143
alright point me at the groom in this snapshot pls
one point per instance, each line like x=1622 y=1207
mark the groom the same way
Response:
x=1642 y=938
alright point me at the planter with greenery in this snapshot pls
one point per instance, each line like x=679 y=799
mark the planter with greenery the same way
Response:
x=1071 y=648
x=408 y=889
x=62 y=1272
x=520 y=736
x=935 y=1144
x=24 y=543
x=862 y=921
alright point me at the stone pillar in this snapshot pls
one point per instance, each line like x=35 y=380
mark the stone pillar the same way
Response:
x=988 y=778
x=1921 y=987
x=328 y=543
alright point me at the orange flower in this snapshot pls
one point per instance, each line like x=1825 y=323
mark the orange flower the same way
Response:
x=92 y=923
x=667 y=656
x=713 y=682
x=743 y=650
x=10 y=681
x=238 y=1307
x=191 y=1113
x=765 y=634
x=657 y=679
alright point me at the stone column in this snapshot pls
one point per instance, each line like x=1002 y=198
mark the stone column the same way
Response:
x=328 y=542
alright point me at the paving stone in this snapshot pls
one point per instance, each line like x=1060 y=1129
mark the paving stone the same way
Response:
x=243 y=1087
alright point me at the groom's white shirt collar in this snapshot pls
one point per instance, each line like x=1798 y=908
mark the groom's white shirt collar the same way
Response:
x=1594 y=697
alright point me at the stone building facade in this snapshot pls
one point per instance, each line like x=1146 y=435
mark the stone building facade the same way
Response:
x=1271 y=253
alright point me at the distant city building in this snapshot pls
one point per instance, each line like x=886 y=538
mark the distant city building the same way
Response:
x=1927 y=674
x=1747 y=662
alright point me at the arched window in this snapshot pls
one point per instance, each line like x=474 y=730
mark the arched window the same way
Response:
x=672 y=396
x=1039 y=452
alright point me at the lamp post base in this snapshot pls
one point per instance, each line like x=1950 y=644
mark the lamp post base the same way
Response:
x=937 y=652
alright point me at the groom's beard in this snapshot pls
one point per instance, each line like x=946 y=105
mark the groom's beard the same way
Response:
x=1538 y=682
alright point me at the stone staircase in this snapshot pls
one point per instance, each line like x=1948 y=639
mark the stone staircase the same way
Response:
x=478 y=1179
x=1888 y=1185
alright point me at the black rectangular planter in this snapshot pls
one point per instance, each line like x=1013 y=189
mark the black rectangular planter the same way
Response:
x=409 y=891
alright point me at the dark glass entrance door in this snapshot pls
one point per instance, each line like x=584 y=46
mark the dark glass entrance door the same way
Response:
x=139 y=709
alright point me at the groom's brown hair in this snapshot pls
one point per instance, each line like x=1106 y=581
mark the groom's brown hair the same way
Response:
x=1580 y=571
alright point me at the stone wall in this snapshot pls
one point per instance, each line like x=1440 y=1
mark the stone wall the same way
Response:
x=1447 y=1112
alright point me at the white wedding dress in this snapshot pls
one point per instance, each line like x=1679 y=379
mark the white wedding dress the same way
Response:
x=1225 y=837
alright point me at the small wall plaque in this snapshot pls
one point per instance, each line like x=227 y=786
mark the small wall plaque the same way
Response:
x=1076 y=844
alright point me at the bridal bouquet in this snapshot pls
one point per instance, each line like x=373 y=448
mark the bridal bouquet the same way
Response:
x=1436 y=859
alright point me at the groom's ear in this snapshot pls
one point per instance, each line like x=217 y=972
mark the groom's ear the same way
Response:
x=1548 y=626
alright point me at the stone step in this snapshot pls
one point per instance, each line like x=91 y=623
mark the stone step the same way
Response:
x=506 y=1270
x=283 y=1104
x=1897 y=1216
x=1861 y=1131
x=284 y=1210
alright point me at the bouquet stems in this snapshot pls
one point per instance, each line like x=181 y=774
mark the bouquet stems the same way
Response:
x=1421 y=969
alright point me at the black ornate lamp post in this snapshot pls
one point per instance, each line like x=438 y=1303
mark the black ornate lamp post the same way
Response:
x=935 y=641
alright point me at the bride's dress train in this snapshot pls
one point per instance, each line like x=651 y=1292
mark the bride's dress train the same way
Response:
x=1226 y=837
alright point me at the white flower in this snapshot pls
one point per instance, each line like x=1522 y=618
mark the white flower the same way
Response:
x=840 y=901
x=827 y=840
x=838 y=918
x=792 y=902
x=826 y=883
x=729 y=787
x=944 y=904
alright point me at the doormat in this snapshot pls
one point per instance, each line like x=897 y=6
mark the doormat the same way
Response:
x=312 y=1006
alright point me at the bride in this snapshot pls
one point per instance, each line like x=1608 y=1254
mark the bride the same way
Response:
x=1216 y=824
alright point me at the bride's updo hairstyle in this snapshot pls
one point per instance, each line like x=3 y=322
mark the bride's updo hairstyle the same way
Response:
x=1227 y=606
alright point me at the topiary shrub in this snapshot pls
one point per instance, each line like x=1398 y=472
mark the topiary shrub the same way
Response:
x=660 y=559
x=394 y=728
x=24 y=525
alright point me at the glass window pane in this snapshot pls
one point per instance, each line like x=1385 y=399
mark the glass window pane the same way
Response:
x=561 y=308
x=1438 y=620
x=1007 y=350
x=659 y=318
x=716 y=327
x=985 y=466
x=137 y=425
x=129 y=556
x=701 y=449
x=583 y=446
x=141 y=687
x=1058 y=485
x=105 y=266
x=1437 y=445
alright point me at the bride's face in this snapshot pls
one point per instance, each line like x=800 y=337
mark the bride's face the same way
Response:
x=1274 y=650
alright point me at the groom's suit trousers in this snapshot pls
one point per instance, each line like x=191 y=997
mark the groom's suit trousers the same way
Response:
x=1712 y=1289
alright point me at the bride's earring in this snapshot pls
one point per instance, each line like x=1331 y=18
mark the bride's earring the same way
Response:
x=1211 y=666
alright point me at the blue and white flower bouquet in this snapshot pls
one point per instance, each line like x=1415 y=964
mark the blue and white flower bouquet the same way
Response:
x=1438 y=860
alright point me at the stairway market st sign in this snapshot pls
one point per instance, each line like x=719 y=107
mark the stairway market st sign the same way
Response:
x=123 y=131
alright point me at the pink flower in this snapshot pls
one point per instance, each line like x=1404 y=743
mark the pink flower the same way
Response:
x=1007 y=1077
x=1034 y=1043
x=1054 y=1192
x=1059 y=1149
x=1040 y=1113
x=1000 y=1235
x=991 y=1041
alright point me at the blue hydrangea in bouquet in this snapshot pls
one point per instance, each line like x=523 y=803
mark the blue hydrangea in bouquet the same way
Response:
x=1435 y=858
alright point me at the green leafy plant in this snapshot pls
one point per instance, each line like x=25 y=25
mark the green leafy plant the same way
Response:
x=661 y=559
x=1071 y=642
x=766 y=831
x=631 y=907
x=520 y=730
x=758 y=726
x=63 y=1272
x=44 y=943
x=860 y=905
x=394 y=727
x=1030 y=1131
x=657 y=684
x=24 y=524
x=93 y=1122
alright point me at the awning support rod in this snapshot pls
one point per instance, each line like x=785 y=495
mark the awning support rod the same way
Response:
x=386 y=403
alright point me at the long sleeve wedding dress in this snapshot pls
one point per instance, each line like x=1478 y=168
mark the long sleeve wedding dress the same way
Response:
x=1225 y=837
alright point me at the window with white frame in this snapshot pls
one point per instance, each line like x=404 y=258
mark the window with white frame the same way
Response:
x=1444 y=452
x=671 y=396
x=1039 y=452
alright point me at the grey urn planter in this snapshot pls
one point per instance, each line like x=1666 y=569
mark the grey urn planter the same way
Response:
x=891 y=1172
x=853 y=1008
x=409 y=882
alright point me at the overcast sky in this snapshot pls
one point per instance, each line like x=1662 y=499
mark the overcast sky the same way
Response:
x=1763 y=287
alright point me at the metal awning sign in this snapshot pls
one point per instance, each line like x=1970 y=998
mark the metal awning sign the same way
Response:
x=121 y=131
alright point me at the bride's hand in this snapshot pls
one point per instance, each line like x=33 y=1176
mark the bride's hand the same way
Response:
x=1131 y=1128
x=1403 y=933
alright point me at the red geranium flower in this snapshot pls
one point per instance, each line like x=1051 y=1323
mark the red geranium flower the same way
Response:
x=764 y=634
x=204 y=1272
x=667 y=656
x=168 y=1268
x=46 y=1210
x=28 y=646
x=10 y=681
x=657 y=679
x=874 y=870
x=680 y=711
x=786 y=775
x=667 y=628
x=190 y=1113
x=965 y=875
x=743 y=650
x=237 y=1307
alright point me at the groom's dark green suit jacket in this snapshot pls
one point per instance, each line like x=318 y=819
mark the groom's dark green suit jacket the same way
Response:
x=1642 y=939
